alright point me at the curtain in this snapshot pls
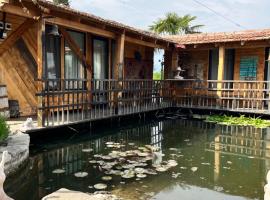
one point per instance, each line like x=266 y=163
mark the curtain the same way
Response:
x=74 y=69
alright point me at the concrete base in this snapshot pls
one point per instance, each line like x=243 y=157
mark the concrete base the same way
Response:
x=65 y=194
x=18 y=148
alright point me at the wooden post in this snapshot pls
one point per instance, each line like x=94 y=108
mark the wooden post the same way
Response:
x=119 y=57
x=119 y=68
x=221 y=63
x=170 y=63
x=40 y=64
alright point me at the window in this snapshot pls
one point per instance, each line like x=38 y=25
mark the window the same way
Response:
x=52 y=57
x=74 y=69
x=248 y=68
x=213 y=64
x=229 y=64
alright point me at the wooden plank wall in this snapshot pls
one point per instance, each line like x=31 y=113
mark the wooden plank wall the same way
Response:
x=138 y=69
x=259 y=52
x=18 y=73
x=190 y=58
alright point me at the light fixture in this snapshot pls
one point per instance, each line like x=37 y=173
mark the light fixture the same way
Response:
x=54 y=31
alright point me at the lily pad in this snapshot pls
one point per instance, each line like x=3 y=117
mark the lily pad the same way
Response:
x=58 y=171
x=81 y=174
x=194 y=169
x=100 y=186
x=106 y=178
x=141 y=175
x=161 y=169
x=87 y=150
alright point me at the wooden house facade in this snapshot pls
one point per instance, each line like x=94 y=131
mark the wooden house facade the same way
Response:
x=227 y=71
x=65 y=66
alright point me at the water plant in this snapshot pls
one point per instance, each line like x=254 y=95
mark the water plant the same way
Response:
x=242 y=121
x=4 y=129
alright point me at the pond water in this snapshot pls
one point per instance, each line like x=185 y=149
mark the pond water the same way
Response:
x=214 y=162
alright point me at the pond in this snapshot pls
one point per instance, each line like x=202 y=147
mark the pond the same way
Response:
x=214 y=162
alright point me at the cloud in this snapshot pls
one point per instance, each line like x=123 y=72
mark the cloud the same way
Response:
x=141 y=13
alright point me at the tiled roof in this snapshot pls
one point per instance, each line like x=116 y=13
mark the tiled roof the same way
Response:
x=108 y=22
x=204 y=38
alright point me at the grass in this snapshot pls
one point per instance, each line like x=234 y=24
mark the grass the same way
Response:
x=157 y=75
x=242 y=121
x=4 y=129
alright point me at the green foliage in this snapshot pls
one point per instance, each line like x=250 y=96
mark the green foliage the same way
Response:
x=64 y=2
x=4 y=129
x=242 y=121
x=157 y=75
x=173 y=24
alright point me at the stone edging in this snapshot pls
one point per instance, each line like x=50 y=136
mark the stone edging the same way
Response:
x=17 y=146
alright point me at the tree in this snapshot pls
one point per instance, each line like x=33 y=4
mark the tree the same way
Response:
x=173 y=24
x=63 y=2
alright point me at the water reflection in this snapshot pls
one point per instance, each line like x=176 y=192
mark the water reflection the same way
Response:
x=232 y=162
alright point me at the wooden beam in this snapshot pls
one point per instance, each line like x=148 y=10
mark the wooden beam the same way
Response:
x=15 y=35
x=144 y=43
x=75 y=48
x=16 y=10
x=80 y=27
x=40 y=64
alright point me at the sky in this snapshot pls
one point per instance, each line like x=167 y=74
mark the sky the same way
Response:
x=239 y=14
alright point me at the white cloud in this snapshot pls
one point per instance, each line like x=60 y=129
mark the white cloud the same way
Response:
x=141 y=13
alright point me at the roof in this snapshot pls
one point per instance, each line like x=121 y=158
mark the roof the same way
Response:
x=204 y=38
x=108 y=22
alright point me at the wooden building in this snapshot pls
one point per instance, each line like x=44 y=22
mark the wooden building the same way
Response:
x=65 y=65
x=228 y=71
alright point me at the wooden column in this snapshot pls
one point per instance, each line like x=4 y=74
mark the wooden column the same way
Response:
x=221 y=63
x=119 y=57
x=40 y=64
x=170 y=63
x=119 y=69
x=89 y=75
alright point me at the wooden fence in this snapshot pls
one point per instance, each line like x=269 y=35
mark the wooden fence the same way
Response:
x=239 y=96
x=72 y=100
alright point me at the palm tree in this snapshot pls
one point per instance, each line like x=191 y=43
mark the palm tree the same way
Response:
x=174 y=24
x=63 y=2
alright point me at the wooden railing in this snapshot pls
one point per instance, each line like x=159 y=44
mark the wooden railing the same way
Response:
x=240 y=96
x=72 y=100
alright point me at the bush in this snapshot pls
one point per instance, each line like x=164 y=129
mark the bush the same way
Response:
x=4 y=129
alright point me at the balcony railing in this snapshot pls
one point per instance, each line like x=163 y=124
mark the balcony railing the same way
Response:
x=72 y=100
x=239 y=96
x=66 y=101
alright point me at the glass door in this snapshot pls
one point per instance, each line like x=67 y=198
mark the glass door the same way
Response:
x=100 y=69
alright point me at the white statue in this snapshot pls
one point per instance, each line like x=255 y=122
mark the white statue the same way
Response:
x=5 y=157
x=178 y=72
x=267 y=187
x=28 y=124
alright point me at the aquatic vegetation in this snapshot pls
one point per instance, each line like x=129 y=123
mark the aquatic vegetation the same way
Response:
x=242 y=121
